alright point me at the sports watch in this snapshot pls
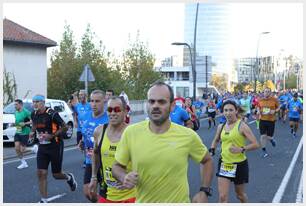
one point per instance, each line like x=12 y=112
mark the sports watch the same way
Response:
x=207 y=190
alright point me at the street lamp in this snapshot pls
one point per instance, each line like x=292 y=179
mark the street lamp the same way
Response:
x=257 y=62
x=192 y=65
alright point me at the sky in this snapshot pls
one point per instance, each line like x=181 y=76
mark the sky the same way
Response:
x=160 y=24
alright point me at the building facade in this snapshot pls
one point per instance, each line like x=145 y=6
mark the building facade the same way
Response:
x=25 y=56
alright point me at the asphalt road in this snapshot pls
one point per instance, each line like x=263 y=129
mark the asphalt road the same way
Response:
x=266 y=175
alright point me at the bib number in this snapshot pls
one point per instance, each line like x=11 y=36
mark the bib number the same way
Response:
x=228 y=170
x=266 y=110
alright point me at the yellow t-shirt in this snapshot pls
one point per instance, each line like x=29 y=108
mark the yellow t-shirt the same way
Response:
x=234 y=137
x=161 y=160
x=108 y=150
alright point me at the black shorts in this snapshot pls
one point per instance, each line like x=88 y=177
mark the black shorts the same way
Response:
x=242 y=173
x=22 y=138
x=294 y=119
x=79 y=136
x=87 y=174
x=50 y=153
x=212 y=114
x=266 y=127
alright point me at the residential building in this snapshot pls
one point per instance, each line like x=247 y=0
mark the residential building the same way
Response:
x=25 y=56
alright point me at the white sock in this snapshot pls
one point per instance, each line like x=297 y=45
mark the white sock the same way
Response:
x=23 y=161
x=69 y=177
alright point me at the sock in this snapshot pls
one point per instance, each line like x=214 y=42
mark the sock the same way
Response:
x=264 y=149
x=214 y=122
x=209 y=123
x=257 y=123
x=23 y=161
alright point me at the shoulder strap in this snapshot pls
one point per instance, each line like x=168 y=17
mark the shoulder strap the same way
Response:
x=221 y=130
x=99 y=152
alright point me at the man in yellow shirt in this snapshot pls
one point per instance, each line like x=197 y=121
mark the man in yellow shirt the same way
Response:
x=159 y=151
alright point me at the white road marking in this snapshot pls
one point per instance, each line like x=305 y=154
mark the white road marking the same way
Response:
x=34 y=156
x=56 y=197
x=251 y=122
x=299 y=195
x=279 y=194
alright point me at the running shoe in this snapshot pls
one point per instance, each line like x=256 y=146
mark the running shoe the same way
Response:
x=291 y=131
x=43 y=201
x=273 y=142
x=34 y=149
x=72 y=183
x=23 y=165
x=264 y=155
x=294 y=135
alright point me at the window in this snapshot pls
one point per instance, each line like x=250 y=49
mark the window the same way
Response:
x=184 y=91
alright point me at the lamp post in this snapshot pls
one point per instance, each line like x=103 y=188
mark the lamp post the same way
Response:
x=257 y=62
x=192 y=65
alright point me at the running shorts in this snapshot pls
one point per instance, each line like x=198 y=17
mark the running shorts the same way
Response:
x=266 y=127
x=294 y=119
x=87 y=174
x=242 y=173
x=50 y=153
x=104 y=200
x=22 y=138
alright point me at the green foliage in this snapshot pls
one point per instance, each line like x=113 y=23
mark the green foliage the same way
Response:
x=9 y=87
x=133 y=73
x=291 y=81
x=219 y=81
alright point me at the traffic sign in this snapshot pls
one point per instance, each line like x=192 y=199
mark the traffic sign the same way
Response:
x=87 y=74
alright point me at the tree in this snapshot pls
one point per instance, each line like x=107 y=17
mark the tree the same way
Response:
x=9 y=87
x=65 y=70
x=137 y=69
x=219 y=81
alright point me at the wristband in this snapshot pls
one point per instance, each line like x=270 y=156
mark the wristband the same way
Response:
x=243 y=150
x=94 y=178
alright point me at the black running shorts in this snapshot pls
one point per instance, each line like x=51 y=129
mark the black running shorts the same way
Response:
x=50 y=153
x=242 y=173
x=22 y=138
x=266 y=128
x=87 y=174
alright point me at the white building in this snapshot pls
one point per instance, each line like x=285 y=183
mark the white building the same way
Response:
x=25 y=56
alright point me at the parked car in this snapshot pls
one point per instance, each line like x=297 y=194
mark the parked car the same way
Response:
x=60 y=106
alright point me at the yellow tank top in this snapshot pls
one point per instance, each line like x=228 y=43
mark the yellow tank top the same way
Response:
x=234 y=137
x=108 y=150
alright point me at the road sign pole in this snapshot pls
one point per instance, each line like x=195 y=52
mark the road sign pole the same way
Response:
x=86 y=80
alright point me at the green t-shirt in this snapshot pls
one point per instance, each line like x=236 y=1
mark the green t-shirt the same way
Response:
x=161 y=161
x=23 y=116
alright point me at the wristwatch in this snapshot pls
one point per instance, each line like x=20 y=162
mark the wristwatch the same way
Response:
x=207 y=190
x=242 y=149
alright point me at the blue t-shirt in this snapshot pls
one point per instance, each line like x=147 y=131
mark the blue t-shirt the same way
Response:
x=81 y=110
x=89 y=126
x=294 y=108
x=283 y=99
x=179 y=115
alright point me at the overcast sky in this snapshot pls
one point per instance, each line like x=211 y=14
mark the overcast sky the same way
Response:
x=162 y=23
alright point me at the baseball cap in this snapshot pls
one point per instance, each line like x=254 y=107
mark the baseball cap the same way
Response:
x=38 y=97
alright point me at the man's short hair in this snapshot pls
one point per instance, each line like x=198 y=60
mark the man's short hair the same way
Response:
x=19 y=101
x=161 y=83
x=83 y=91
x=121 y=98
x=98 y=91
x=110 y=90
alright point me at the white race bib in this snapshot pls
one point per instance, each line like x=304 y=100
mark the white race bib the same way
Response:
x=228 y=170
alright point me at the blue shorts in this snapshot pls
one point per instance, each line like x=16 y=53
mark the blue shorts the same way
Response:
x=294 y=119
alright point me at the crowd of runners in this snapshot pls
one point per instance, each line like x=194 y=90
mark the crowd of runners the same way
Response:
x=126 y=163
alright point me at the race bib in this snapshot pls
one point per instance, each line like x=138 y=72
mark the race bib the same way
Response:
x=18 y=128
x=228 y=170
x=42 y=140
x=295 y=109
x=266 y=110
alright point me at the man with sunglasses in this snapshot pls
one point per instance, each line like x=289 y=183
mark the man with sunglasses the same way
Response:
x=104 y=152
x=92 y=119
x=159 y=151
x=267 y=107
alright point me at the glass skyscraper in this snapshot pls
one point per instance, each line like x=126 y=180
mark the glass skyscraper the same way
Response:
x=213 y=34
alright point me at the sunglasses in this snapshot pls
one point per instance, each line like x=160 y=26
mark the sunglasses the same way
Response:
x=115 y=109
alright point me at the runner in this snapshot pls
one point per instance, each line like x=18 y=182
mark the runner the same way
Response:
x=159 y=151
x=81 y=109
x=198 y=106
x=295 y=108
x=192 y=114
x=266 y=109
x=49 y=128
x=179 y=100
x=108 y=94
x=180 y=116
x=211 y=109
x=283 y=100
x=245 y=103
x=105 y=154
x=92 y=119
x=22 y=123
x=233 y=164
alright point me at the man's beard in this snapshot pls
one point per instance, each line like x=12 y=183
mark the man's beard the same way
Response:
x=159 y=121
